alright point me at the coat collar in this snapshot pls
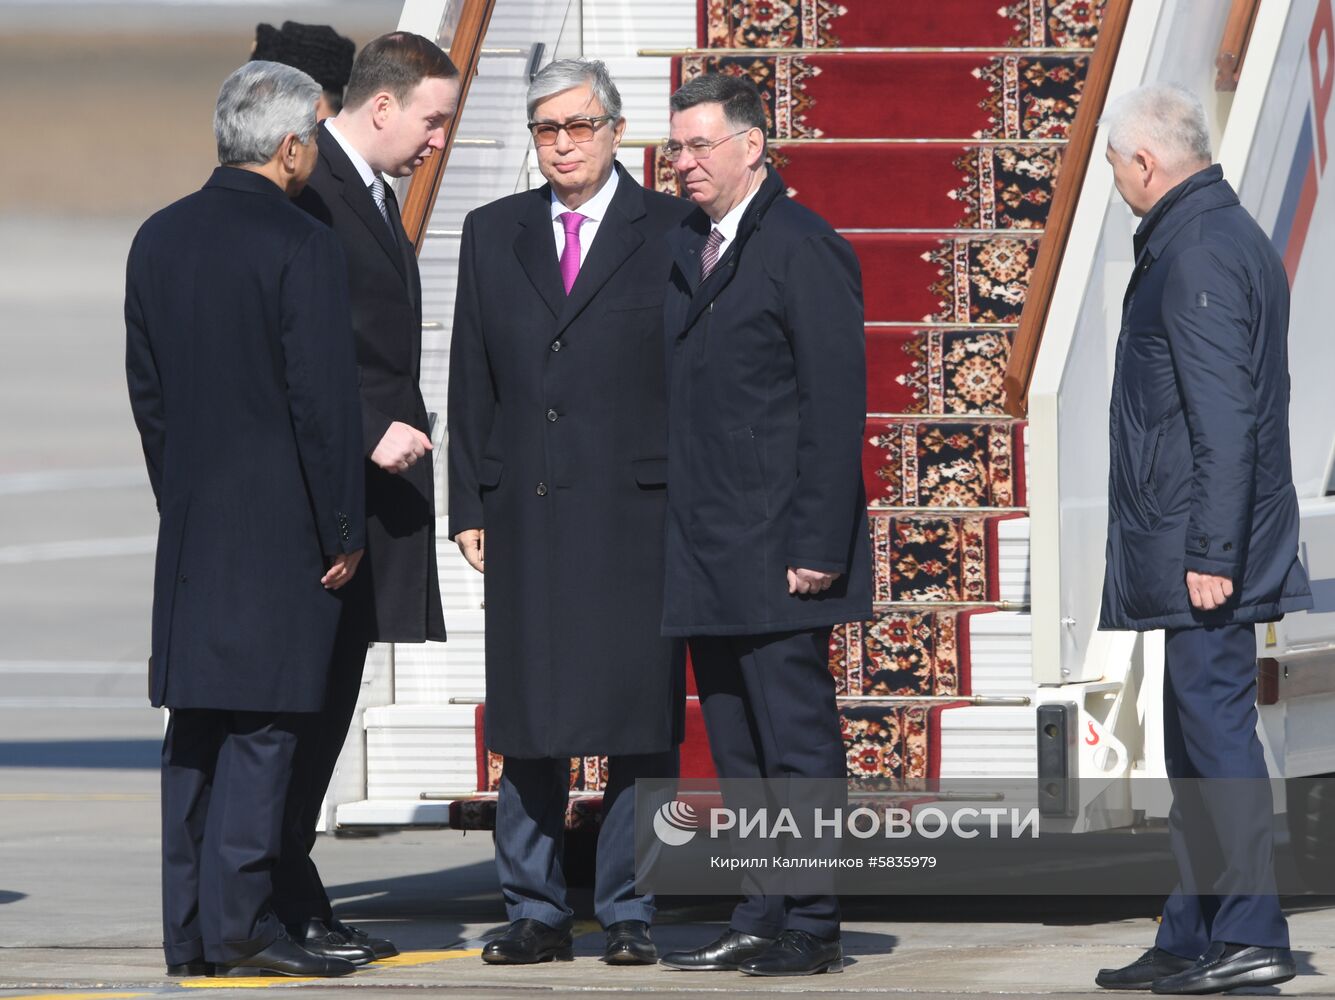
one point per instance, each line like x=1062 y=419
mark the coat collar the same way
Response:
x=690 y=239
x=358 y=197
x=1202 y=191
x=617 y=238
x=237 y=179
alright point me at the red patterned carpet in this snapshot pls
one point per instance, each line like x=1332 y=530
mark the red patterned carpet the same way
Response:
x=939 y=166
x=809 y=24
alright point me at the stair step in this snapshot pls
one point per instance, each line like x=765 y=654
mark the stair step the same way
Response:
x=953 y=371
x=968 y=279
x=826 y=24
x=988 y=742
x=1011 y=567
x=432 y=673
x=939 y=185
x=1000 y=653
x=908 y=462
x=963 y=558
x=416 y=749
x=915 y=95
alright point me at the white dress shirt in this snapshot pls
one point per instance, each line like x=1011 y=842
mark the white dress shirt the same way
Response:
x=358 y=161
x=729 y=223
x=593 y=210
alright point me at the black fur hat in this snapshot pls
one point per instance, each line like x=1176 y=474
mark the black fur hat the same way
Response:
x=316 y=49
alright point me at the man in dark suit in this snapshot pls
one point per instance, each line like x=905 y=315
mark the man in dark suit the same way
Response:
x=558 y=445
x=402 y=92
x=244 y=388
x=767 y=542
x=1202 y=529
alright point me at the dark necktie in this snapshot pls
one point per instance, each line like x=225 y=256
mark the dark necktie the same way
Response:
x=709 y=255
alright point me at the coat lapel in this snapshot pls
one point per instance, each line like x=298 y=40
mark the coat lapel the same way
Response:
x=618 y=237
x=536 y=249
x=358 y=198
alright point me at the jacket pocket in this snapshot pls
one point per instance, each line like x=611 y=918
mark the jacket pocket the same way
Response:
x=1147 y=489
x=650 y=471
x=749 y=476
x=489 y=473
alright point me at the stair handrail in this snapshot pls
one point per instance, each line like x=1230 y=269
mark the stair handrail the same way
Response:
x=1233 y=46
x=1057 y=229
x=465 y=23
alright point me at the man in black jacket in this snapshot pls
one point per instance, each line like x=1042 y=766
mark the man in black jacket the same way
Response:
x=244 y=388
x=1202 y=528
x=402 y=92
x=767 y=542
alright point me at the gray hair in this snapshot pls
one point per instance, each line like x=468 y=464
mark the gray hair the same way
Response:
x=258 y=105
x=1164 y=118
x=567 y=73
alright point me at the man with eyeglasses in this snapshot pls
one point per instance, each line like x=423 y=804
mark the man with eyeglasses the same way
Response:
x=767 y=543
x=558 y=445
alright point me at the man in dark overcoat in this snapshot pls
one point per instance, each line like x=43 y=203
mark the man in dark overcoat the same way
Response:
x=242 y=380
x=402 y=92
x=767 y=541
x=558 y=454
x=1202 y=529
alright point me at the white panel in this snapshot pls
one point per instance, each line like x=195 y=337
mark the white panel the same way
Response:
x=394 y=812
x=988 y=742
x=411 y=750
x=1000 y=653
x=623 y=27
x=1013 y=559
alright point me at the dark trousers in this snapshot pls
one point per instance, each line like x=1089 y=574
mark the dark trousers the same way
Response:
x=1220 y=821
x=224 y=781
x=530 y=832
x=770 y=711
x=299 y=894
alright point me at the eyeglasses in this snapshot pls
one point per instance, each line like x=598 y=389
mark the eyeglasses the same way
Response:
x=579 y=129
x=699 y=149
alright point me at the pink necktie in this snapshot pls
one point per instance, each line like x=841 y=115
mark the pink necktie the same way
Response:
x=570 y=255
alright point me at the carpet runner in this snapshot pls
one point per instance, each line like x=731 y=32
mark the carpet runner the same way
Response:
x=939 y=166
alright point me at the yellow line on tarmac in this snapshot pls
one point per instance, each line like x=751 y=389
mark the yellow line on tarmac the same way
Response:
x=406 y=960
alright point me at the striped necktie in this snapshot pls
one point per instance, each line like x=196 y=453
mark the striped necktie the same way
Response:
x=709 y=255
x=378 y=193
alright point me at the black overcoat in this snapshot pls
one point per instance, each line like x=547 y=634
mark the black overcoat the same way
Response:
x=242 y=380
x=1199 y=476
x=397 y=589
x=558 y=450
x=766 y=407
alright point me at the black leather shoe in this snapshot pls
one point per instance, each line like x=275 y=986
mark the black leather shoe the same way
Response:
x=190 y=970
x=1228 y=966
x=380 y=947
x=526 y=942
x=317 y=938
x=797 y=953
x=628 y=943
x=1154 y=964
x=724 y=954
x=285 y=958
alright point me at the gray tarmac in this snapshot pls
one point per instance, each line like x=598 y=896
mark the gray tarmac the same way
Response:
x=125 y=90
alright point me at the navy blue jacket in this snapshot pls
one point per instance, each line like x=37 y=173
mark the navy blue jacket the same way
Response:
x=1199 y=476
x=767 y=393
x=243 y=383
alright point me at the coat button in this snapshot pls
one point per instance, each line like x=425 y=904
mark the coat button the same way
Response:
x=556 y=345
x=542 y=489
x=553 y=416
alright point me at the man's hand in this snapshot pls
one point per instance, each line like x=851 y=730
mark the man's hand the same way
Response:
x=341 y=569
x=1208 y=591
x=470 y=542
x=809 y=581
x=400 y=448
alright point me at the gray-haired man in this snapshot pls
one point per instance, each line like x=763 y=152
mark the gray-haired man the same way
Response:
x=1202 y=529
x=240 y=367
x=558 y=443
